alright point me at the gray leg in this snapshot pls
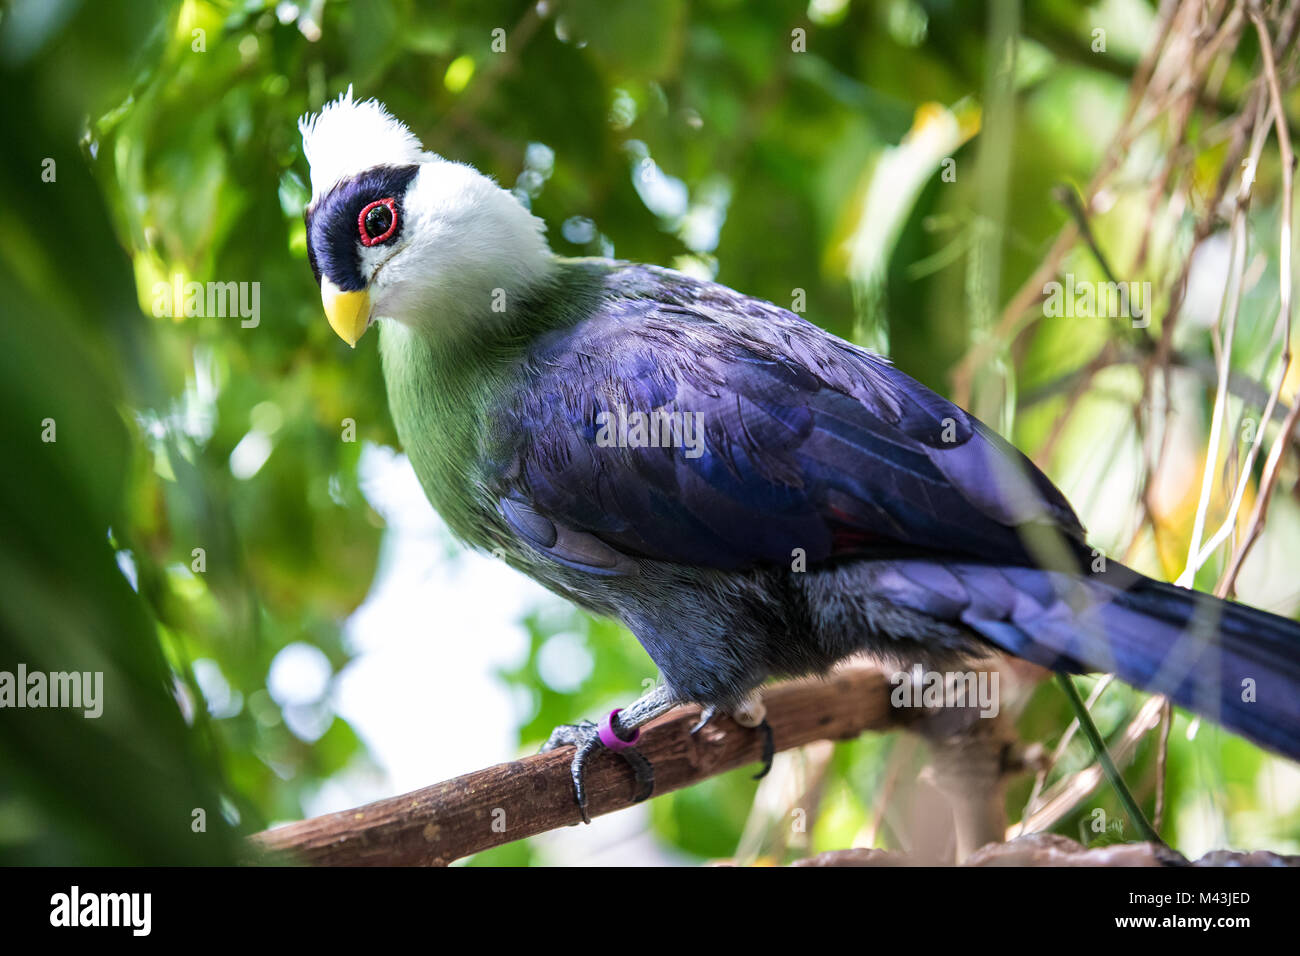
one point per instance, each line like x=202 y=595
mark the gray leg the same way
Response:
x=585 y=738
x=643 y=710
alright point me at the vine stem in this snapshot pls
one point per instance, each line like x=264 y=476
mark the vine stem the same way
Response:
x=1103 y=757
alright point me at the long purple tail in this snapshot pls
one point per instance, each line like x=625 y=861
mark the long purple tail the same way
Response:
x=1234 y=664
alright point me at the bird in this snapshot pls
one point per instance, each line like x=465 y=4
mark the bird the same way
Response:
x=750 y=495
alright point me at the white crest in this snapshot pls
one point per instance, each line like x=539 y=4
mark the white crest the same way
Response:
x=350 y=136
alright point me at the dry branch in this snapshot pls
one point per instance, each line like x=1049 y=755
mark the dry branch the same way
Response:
x=1050 y=849
x=511 y=801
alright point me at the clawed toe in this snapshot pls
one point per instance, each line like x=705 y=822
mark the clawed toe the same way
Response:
x=569 y=735
x=744 y=716
x=769 y=748
x=706 y=715
x=587 y=737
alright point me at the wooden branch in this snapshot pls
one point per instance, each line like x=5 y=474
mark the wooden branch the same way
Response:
x=1050 y=849
x=511 y=801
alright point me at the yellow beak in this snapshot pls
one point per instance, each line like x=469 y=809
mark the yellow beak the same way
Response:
x=348 y=312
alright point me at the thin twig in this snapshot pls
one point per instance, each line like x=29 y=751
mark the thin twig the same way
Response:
x=1162 y=757
x=1272 y=466
x=1032 y=804
x=1063 y=796
x=1103 y=758
x=1226 y=327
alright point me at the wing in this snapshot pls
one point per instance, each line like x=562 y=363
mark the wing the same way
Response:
x=780 y=437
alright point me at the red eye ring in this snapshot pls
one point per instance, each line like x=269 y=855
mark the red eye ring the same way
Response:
x=366 y=238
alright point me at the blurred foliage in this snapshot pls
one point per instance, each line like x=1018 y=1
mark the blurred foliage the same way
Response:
x=687 y=134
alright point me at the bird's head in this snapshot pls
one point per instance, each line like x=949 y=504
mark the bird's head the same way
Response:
x=399 y=233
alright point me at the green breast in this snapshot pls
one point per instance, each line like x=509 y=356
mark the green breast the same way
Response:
x=439 y=404
x=442 y=395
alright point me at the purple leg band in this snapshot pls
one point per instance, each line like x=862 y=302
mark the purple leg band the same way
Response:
x=612 y=740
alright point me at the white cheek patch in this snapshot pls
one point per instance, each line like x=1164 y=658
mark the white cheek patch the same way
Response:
x=463 y=245
x=373 y=259
x=470 y=239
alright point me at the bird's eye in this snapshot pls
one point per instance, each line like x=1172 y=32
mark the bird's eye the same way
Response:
x=377 y=222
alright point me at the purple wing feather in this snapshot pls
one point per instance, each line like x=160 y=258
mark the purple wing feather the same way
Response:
x=809 y=442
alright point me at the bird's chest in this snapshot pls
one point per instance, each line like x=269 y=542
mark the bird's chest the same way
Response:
x=438 y=409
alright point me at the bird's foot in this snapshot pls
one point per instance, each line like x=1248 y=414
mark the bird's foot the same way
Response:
x=587 y=737
x=706 y=715
x=769 y=748
x=750 y=714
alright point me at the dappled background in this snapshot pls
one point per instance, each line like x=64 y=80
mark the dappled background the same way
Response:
x=224 y=524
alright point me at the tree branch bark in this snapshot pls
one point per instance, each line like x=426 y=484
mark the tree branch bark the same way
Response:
x=511 y=801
